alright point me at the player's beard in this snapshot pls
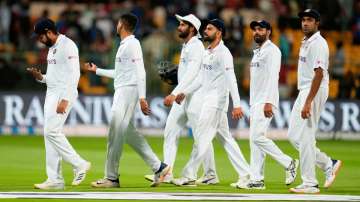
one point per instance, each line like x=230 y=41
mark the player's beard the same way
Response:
x=208 y=38
x=184 y=34
x=48 y=42
x=259 y=39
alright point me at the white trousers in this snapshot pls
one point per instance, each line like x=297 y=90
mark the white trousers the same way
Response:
x=122 y=130
x=302 y=135
x=210 y=122
x=175 y=123
x=57 y=147
x=260 y=145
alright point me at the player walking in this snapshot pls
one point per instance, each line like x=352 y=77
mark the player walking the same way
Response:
x=264 y=100
x=216 y=78
x=61 y=79
x=130 y=86
x=190 y=60
x=313 y=85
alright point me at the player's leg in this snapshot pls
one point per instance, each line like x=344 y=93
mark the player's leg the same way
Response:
x=204 y=133
x=258 y=140
x=233 y=151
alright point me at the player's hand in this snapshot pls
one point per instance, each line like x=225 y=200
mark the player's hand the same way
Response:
x=168 y=101
x=61 y=108
x=237 y=113
x=91 y=67
x=305 y=112
x=36 y=73
x=268 y=112
x=144 y=107
x=179 y=98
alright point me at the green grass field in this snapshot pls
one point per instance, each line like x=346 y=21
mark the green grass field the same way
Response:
x=22 y=163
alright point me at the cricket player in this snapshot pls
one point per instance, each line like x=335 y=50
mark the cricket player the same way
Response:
x=61 y=79
x=216 y=78
x=313 y=85
x=189 y=66
x=264 y=101
x=130 y=89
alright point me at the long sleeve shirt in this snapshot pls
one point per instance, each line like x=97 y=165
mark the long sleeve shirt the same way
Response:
x=217 y=78
x=129 y=66
x=63 y=68
x=264 y=75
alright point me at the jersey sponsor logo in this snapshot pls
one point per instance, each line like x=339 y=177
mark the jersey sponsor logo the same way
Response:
x=302 y=59
x=255 y=64
x=51 y=62
x=207 y=67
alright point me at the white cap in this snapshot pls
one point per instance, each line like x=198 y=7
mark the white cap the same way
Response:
x=192 y=19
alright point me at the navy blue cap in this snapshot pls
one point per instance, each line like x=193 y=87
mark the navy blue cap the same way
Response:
x=310 y=13
x=260 y=23
x=42 y=26
x=219 y=24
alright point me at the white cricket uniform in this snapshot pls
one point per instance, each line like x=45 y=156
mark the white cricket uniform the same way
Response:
x=314 y=53
x=264 y=78
x=129 y=83
x=189 y=66
x=216 y=78
x=62 y=78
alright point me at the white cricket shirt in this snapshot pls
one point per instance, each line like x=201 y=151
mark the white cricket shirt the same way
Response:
x=264 y=75
x=314 y=53
x=129 y=66
x=63 y=68
x=216 y=78
x=189 y=65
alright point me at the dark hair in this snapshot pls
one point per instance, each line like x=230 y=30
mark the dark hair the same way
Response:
x=129 y=20
x=191 y=25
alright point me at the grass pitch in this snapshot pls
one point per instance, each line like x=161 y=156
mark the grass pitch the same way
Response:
x=22 y=163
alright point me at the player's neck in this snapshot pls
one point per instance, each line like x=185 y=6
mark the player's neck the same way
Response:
x=123 y=35
x=214 y=43
x=308 y=35
x=187 y=39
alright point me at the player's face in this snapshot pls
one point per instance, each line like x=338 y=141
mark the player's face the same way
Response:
x=184 y=30
x=44 y=38
x=260 y=34
x=210 y=33
x=119 y=27
x=309 y=25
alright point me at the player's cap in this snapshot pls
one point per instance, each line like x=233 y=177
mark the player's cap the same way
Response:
x=219 y=24
x=310 y=13
x=42 y=26
x=260 y=23
x=192 y=19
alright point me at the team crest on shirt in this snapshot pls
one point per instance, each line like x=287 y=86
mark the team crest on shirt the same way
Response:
x=54 y=51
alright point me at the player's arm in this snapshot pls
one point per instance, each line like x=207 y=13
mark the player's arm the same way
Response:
x=136 y=57
x=273 y=62
x=230 y=78
x=91 y=67
x=36 y=73
x=196 y=84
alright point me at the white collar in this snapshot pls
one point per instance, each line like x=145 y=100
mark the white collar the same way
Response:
x=312 y=38
x=127 y=38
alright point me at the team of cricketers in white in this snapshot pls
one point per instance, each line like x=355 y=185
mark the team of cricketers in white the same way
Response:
x=207 y=77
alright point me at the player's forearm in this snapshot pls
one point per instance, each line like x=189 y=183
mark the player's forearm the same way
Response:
x=43 y=80
x=315 y=85
x=105 y=72
x=232 y=86
x=141 y=80
x=189 y=77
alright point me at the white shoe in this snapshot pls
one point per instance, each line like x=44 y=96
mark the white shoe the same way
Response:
x=184 y=181
x=331 y=173
x=105 y=183
x=207 y=180
x=80 y=174
x=167 y=179
x=49 y=185
x=291 y=172
x=304 y=189
x=242 y=183
x=160 y=174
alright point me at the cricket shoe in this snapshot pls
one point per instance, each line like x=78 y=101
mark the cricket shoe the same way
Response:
x=50 y=185
x=256 y=185
x=184 y=181
x=106 y=183
x=207 y=180
x=291 y=172
x=80 y=173
x=160 y=174
x=167 y=179
x=242 y=183
x=305 y=189
x=332 y=172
